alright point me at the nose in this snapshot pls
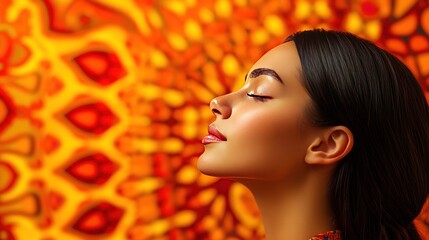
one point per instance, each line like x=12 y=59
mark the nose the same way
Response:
x=220 y=107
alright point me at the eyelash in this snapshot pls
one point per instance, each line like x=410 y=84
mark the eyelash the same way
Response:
x=258 y=97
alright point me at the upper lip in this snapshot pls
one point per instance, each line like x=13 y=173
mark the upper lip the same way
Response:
x=214 y=131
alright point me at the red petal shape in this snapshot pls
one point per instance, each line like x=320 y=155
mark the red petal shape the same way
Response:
x=7 y=110
x=93 y=169
x=78 y=16
x=369 y=9
x=100 y=219
x=101 y=67
x=93 y=118
x=5 y=51
x=6 y=231
x=166 y=202
x=8 y=177
x=5 y=47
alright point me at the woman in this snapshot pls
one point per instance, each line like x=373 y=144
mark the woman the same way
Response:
x=330 y=134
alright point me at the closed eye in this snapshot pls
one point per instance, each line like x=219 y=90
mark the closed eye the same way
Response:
x=259 y=97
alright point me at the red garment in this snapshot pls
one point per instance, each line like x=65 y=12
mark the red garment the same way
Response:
x=330 y=235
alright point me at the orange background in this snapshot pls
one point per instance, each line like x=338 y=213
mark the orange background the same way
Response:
x=103 y=105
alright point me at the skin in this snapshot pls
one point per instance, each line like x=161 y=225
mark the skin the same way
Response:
x=274 y=150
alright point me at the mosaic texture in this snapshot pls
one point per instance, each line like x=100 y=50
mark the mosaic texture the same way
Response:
x=103 y=105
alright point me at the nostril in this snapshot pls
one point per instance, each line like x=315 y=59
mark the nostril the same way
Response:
x=215 y=111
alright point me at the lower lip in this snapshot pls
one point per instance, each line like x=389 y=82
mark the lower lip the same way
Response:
x=211 y=139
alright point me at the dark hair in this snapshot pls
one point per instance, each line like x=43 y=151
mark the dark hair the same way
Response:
x=381 y=185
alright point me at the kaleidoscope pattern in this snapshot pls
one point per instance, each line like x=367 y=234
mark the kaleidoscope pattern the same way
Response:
x=103 y=104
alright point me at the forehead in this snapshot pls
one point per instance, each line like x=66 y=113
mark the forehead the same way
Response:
x=283 y=59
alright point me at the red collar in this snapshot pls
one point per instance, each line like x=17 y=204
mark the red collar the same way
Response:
x=330 y=235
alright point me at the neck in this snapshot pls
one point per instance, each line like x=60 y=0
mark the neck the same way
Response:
x=294 y=211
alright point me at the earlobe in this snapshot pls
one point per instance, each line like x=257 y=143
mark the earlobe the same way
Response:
x=332 y=145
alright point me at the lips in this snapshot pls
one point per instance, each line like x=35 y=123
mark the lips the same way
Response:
x=214 y=135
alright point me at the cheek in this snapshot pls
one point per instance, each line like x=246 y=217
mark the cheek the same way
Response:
x=263 y=143
x=266 y=144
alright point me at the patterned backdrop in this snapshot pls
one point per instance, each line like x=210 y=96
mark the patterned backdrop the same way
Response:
x=103 y=104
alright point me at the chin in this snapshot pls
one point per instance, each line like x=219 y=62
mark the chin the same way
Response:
x=203 y=165
x=212 y=167
x=206 y=169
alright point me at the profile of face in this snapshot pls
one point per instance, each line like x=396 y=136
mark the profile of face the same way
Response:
x=264 y=124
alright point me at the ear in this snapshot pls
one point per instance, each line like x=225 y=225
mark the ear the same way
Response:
x=330 y=146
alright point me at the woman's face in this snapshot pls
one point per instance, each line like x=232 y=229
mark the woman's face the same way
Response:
x=266 y=138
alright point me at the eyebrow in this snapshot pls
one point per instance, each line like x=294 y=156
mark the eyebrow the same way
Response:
x=264 y=71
